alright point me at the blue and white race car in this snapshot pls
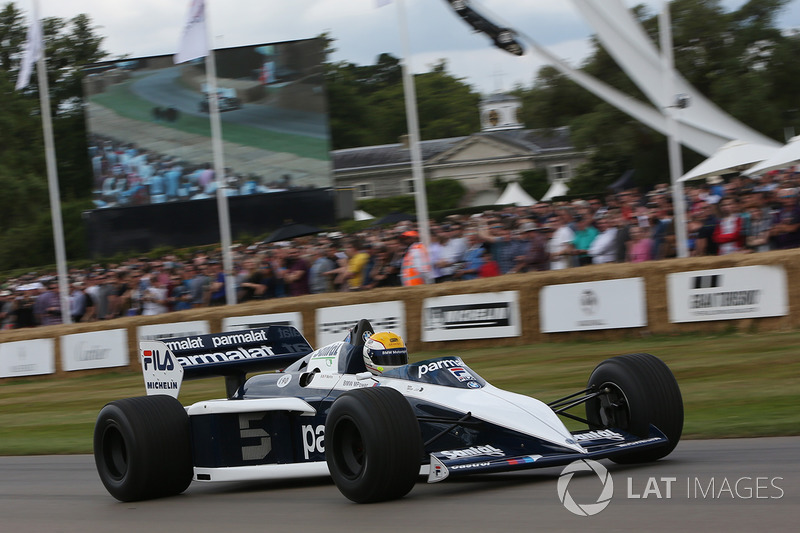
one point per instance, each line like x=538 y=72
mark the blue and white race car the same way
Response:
x=323 y=413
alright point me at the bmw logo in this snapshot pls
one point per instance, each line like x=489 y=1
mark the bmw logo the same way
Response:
x=473 y=385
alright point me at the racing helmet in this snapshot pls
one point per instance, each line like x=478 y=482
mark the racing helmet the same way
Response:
x=384 y=350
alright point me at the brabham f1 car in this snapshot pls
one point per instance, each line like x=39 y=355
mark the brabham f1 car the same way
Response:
x=323 y=413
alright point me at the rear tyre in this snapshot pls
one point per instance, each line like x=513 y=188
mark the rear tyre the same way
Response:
x=373 y=445
x=142 y=448
x=639 y=390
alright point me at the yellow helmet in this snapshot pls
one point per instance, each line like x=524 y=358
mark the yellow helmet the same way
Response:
x=383 y=351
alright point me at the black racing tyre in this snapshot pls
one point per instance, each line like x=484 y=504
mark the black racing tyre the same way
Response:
x=640 y=390
x=142 y=448
x=373 y=445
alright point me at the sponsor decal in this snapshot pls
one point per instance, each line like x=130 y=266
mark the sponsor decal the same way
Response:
x=598 y=434
x=474 y=451
x=284 y=380
x=155 y=360
x=727 y=293
x=236 y=354
x=313 y=440
x=489 y=315
x=637 y=442
x=587 y=509
x=437 y=365
x=356 y=384
x=474 y=385
x=438 y=470
x=186 y=344
x=470 y=466
x=161 y=385
x=461 y=373
x=524 y=460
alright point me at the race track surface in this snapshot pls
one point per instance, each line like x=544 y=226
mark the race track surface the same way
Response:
x=712 y=485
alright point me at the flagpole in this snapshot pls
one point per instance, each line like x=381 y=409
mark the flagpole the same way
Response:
x=219 y=172
x=673 y=143
x=52 y=177
x=409 y=90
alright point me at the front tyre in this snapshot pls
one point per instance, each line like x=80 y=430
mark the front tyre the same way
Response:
x=637 y=390
x=373 y=445
x=142 y=448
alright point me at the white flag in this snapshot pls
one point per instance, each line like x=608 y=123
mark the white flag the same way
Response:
x=194 y=42
x=32 y=53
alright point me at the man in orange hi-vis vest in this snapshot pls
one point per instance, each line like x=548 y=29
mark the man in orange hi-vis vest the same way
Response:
x=416 y=269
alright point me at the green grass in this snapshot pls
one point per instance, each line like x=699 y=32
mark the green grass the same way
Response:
x=733 y=385
x=125 y=103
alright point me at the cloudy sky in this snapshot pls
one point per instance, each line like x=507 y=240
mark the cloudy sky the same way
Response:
x=152 y=27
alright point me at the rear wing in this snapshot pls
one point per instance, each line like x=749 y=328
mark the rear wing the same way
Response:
x=232 y=355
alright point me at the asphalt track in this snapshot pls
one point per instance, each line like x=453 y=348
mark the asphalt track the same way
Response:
x=719 y=485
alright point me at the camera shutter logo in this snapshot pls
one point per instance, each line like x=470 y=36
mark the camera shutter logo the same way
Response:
x=587 y=509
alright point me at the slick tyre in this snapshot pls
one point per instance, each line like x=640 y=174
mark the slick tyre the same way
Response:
x=373 y=445
x=639 y=390
x=142 y=448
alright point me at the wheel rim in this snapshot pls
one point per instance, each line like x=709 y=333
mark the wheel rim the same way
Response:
x=614 y=408
x=115 y=453
x=348 y=449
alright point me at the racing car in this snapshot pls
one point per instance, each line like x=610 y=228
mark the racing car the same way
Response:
x=308 y=412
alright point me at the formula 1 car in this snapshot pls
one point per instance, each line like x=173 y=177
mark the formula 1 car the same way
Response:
x=324 y=413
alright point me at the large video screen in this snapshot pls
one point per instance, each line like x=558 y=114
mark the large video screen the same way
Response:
x=150 y=133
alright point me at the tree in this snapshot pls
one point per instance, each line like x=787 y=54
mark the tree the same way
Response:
x=738 y=59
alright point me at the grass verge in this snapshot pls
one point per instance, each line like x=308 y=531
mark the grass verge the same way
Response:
x=733 y=385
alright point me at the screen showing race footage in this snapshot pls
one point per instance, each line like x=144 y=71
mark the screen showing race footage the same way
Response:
x=150 y=132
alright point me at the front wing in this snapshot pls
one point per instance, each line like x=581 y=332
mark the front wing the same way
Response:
x=488 y=459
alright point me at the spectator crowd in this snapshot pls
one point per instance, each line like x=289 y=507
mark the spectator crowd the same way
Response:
x=738 y=215
x=126 y=175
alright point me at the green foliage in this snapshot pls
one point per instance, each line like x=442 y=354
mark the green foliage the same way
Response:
x=367 y=103
x=442 y=194
x=534 y=182
x=738 y=59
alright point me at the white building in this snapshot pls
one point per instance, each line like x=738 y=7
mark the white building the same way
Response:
x=502 y=149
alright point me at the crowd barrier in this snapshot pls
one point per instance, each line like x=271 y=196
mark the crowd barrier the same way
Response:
x=746 y=292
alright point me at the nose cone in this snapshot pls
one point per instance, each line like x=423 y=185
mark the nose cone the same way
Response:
x=519 y=413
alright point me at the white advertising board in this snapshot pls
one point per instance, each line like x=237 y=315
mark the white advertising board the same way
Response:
x=727 y=294
x=236 y=323
x=487 y=315
x=156 y=332
x=610 y=304
x=97 y=349
x=27 y=358
x=334 y=322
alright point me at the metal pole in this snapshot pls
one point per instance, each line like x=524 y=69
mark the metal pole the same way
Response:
x=420 y=195
x=219 y=172
x=675 y=159
x=52 y=178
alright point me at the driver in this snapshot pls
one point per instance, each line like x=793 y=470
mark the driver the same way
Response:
x=384 y=350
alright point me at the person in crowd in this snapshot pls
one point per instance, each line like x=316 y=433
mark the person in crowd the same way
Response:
x=729 y=234
x=155 y=298
x=640 y=246
x=296 y=277
x=585 y=234
x=560 y=246
x=757 y=238
x=604 y=246
x=785 y=231
x=416 y=268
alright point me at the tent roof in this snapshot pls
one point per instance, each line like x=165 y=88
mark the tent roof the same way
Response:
x=783 y=157
x=558 y=188
x=731 y=157
x=515 y=194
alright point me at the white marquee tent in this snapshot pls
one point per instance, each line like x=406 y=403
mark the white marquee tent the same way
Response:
x=515 y=194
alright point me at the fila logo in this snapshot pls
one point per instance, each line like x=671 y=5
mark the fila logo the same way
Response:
x=152 y=358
